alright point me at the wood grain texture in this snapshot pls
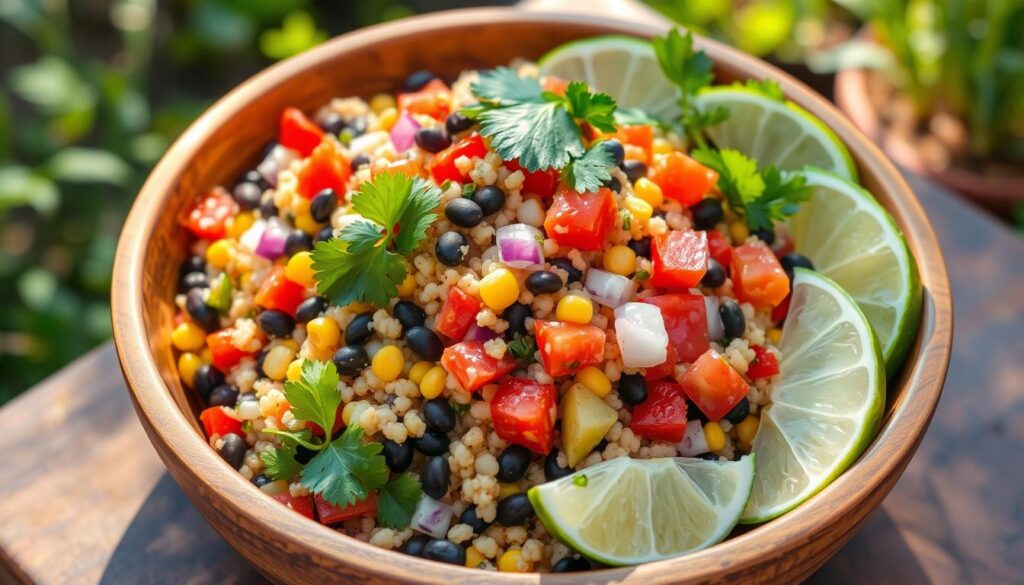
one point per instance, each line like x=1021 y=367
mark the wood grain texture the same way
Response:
x=290 y=549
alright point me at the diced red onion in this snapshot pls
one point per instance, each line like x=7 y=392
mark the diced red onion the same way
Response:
x=694 y=442
x=477 y=333
x=252 y=236
x=272 y=242
x=609 y=289
x=716 y=330
x=432 y=517
x=278 y=159
x=640 y=330
x=519 y=245
x=403 y=133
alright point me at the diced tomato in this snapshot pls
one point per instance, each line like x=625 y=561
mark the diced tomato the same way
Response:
x=434 y=100
x=224 y=355
x=472 y=366
x=555 y=85
x=217 y=422
x=568 y=347
x=442 y=166
x=682 y=178
x=541 y=183
x=713 y=385
x=302 y=504
x=326 y=168
x=277 y=292
x=457 y=315
x=757 y=276
x=581 y=221
x=409 y=167
x=298 y=132
x=641 y=137
x=679 y=259
x=783 y=244
x=662 y=417
x=686 y=321
x=207 y=219
x=328 y=513
x=719 y=248
x=523 y=413
x=665 y=369
x=765 y=364
x=781 y=310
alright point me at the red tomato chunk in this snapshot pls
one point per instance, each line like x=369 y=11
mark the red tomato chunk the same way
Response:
x=277 y=292
x=682 y=178
x=765 y=365
x=541 y=182
x=298 y=132
x=662 y=417
x=524 y=413
x=302 y=504
x=325 y=169
x=331 y=514
x=666 y=369
x=581 y=221
x=457 y=315
x=217 y=422
x=686 y=322
x=679 y=259
x=207 y=219
x=224 y=355
x=442 y=166
x=719 y=248
x=641 y=137
x=757 y=276
x=568 y=347
x=472 y=366
x=434 y=100
x=713 y=385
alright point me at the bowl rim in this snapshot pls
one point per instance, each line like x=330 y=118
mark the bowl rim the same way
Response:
x=179 y=440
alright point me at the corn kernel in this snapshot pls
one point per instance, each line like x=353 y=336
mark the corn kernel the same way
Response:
x=418 y=370
x=574 y=309
x=275 y=365
x=649 y=191
x=324 y=333
x=359 y=307
x=387 y=119
x=775 y=336
x=433 y=382
x=714 y=436
x=620 y=260
x=300 y=269
x=307 y=224
x=239 y=224
x=662 y=146
x=288 y=342
x=387 y=363
x=499 y=289
x=206 y=355
x=595 y=381
x=352 y=411
x=473 y=558
x=746 y=430
x=507 y=489
x=188 y=363
x=738 y=231
x=381 y=102
x=219 y=254
x=294 y=373
x=640 y=209
x=512 y=561
x=407 y=287
x=188 y=337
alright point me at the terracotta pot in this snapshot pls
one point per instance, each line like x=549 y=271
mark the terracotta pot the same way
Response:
x=289 y=548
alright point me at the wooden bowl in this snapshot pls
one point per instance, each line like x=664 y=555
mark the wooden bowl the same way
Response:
x=228 y=138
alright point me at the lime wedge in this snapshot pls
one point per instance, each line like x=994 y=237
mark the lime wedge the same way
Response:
x=629 y=511
x=623 y=67
x=774 y=132
x=827 y=404
x=851 y=239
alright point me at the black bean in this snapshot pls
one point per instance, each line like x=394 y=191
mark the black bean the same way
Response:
x=793 y=260
x=247 y=195
x=310 y=309
x=707 y=213
x=362 y=160
x=599 y=448
x=276 y=323
x=398 y=456
x=456 y=123
x=614 y=184
x=325 y=233
x=357 y=126
x=732 y=319
x=632 y=388
x=193 y=280
x=766 y=235
x=463 y=212
x=194 y=263
x=436 y=476
x=323 y=205
x=224 y=395
x=254 y=176
x=204 y=315
x=513 y=462
x=207 y=377
x=439 y=415
x=432 y=443
x=641 y=247
x=260 y=358
x=424 y=343
x=417 y=79
x=552 y=470
x=693 y=412
x=304 y=454
x=739 y=412
x=333 y=123
x=414 y=546
x=360 y=329
x=617 y=151
x=432 y=139
x=634 y=169
x=514 y=510
x=445 y=551
x=571 y=564
x=516 y=315
x=544 y=282
x=297 y=241
x=267 y=208
x=490 y=199
x=260 y=480
x=233 y=450
x=470 y=517
x=709 y=457
x=409 y=314
x=575 y=274
x=350 y=360
x=451 y=248
x=715 y=276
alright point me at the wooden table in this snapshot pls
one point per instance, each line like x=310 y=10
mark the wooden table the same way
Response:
x=86 y=500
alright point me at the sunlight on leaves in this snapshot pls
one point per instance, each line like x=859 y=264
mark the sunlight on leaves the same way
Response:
x=298 y=32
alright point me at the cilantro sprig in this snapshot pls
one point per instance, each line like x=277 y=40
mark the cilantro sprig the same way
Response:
x=761 y=197
x=690 y=71
x=365 y=261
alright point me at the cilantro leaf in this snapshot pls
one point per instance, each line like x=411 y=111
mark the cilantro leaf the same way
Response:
x=590 y=171
x=397 y=501
x=738 y=178
x=636 y=117
x=695 y=122
x=504 y=86
x=597 y=109
x=783 y=193
x=345 y=277
x=347 y=470
x=280 y=463
x=522 y=347
x=401 y=205
x=540 y=135
x=315 y=397
x=689 y=70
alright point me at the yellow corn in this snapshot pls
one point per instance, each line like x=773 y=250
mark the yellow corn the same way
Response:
x=507 y=489
x=324 y=333
x=300 y=269
x=359 y=307
x=294 y=373
x=275 y=365
x=595 y=381
x=662 y=146
x=738 y=231
x=433 y=382
x=775 y=335
x=473 y=558
x=387 y=119
x=306 y=223
x=219 y=254
x=620 y=260
x=387 y=363
x=407 y=287
x=239 y=224
x=188 y=337
x=352 y=411
x=746 y=430
x=714 y=436
x=499 y=289
x=512 y=561
x=381 y=102
x=418 y=370
x=574 y=309
x=206 y=355
x=188 y=363
x=640 y=209
x=649 y=191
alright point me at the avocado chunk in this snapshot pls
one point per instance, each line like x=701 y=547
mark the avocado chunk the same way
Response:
x=585 y=420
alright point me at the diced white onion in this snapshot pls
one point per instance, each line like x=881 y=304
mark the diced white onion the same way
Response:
x=640 y=330
x=609 y=289
x=531 y=212
x=278 y=159
x=716 y=330
x=432 y=517
x=252 y=236
x=519 y=245
x=694 y=442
